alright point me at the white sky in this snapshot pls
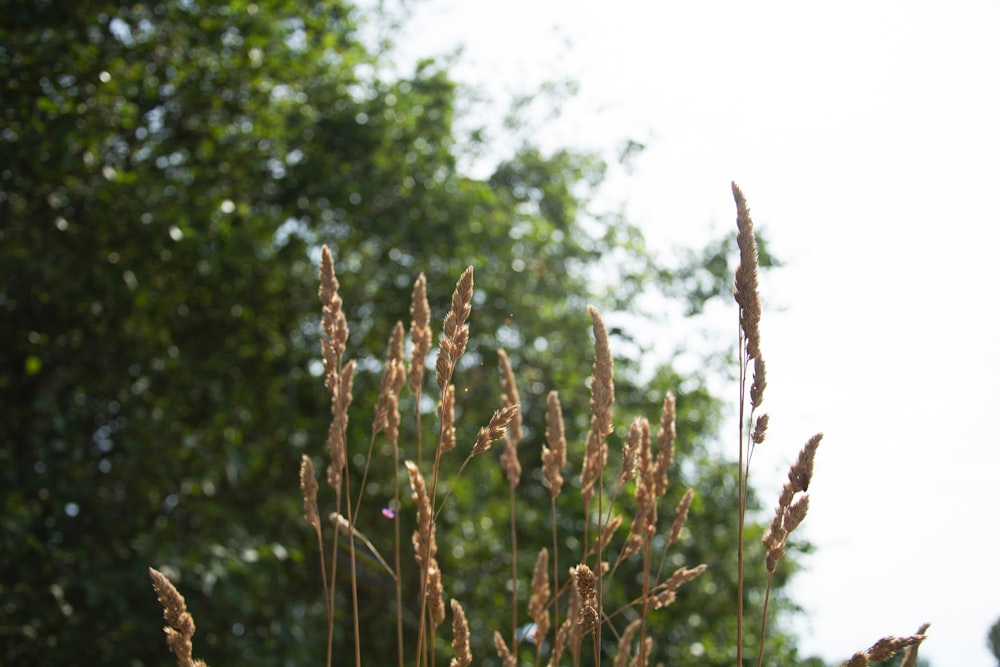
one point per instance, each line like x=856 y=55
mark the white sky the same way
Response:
x=866 y=138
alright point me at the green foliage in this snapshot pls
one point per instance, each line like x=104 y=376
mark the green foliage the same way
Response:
x=168 y=170
x=993 y=639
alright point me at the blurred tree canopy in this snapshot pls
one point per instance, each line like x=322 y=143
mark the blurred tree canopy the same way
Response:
x=167 y=172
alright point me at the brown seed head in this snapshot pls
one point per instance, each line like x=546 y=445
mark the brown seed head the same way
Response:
x=307 y=482
x=665 y=443
x=537 y=605
x=746 y=290
x=446 y=408
x=602 y=398
x=496 y=429
x=420 y=332
x=180 y=624
x=554 y=455
x=460 y=628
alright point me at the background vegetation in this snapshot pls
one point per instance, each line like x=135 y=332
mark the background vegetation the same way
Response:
x=167 y=172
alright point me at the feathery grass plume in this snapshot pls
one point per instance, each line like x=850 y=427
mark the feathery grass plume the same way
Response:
x=624 y=653
x=424 y=542
x=424 y=550
x=631 y=452
x=746 y=290
x=420 y=333
x=665 y=439
x=574 y=633
x=562 y=634
x=760 y=429
x=910 y=656
x=538 y=603
x=553 y=461
x=586 y=588
x=446 y=408
x=663 y=594
x=608 y=531
x=337 y=379
x=420 y=337
x=180 y=623
x=456 y=331
x=554 y=454
x=503 y=652
x=334 y=323
x=602 y=398
x=644 y=522
x=495 y=430
x=435 y=596
x=460 y=628
x=307 y=482
x=512 y=436
x=882 y=650
x=393 y=379
x=680 y=517
x=336 y=439
x=791 y=510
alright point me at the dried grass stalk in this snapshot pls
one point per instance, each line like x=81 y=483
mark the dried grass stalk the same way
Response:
x=180 y=624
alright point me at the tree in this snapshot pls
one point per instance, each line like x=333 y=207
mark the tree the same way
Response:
x=168 y=171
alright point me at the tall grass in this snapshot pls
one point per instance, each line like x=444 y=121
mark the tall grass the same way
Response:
x=570 y=620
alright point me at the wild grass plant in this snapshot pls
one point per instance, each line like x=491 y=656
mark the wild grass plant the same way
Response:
x=569 y=620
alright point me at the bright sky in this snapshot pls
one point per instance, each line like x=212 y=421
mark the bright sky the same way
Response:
x=866 y=137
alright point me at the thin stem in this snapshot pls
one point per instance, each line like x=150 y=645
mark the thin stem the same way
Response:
x=646 y=563
x=742 y=492
x=354 y=575
x=396 y=549
x=763 y=620
x=330 y=594
x=513 y=572
x=555 y=568
x=364 y=480
x=600 y=564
